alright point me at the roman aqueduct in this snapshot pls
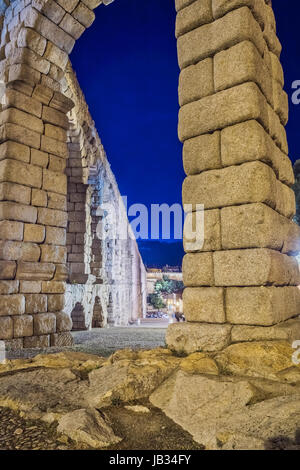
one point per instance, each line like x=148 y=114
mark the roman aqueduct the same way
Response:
x=241 y=285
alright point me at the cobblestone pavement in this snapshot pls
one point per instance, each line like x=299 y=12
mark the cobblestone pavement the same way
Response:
x=105 y=341
x=18 y=434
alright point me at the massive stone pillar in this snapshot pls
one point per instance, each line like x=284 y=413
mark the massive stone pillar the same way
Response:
x=241 y=283
x=48 y=213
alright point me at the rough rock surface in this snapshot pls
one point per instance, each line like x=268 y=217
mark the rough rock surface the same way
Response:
x=129 y=376
x=270 y=360
x=223 y=400
x=89 y=427
x=228 y=412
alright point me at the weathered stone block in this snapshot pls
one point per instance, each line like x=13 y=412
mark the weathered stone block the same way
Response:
x=52 y=217
x=14 y=344
x=31 y=39
x=21 y=173
x=12 y=304
x=35 y=271
x=53 y=181
x=202 y=231
x=196 y=82
x=179 y=4
x=239 y=64
x=11 y=251
x=54 y=146
x=23 y=72
x=6 y=328
x=57 y=201
x=33 y=19
x=55 y=236
x=61 y=273
x=256 y=267
x=56 y=302
x=53 y=254
x=188 y=337
x=281 y=102
x=53 y=287
x=39 y=198
x=252 y=226
x=71 y=26
x=57 y=164
x=276 y=67
x=36 y=303
x=12 y=211
x=56 y=133
x=37 y=342
x=39 y=158
x=285 y=331
x=15 y=193
x=258 y=8
x=263 y=306
x=204 y=304
x=42 y=93
x=247 y=183
x=239 y=25
x=62 y=339
x=193 y=16
x=10 y=131
x=44 y=324
x=56 y=55
x=30 y=287
x=228 y=107
x=14 y=151
x=277 y=130
x=198 y=269
x=291 y=244
x=7 y=269
x=248 y=141
x=202 y=153
x=9 y=287
x=34 y=233
x=63 y=322
x=23 y=326
x=25 y=120
x=55 y=117
x=11 y=230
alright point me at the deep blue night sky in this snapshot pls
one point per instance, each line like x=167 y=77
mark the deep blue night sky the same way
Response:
x=126 y=63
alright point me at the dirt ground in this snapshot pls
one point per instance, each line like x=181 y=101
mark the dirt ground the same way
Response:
x=140 y=431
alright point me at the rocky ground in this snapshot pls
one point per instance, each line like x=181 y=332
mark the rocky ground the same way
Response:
x=245 y=397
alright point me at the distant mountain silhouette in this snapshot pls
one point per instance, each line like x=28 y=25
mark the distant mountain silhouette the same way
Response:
x=157 y=254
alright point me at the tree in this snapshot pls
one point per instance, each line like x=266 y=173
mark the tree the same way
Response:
x=167 y=286
x=157 y=301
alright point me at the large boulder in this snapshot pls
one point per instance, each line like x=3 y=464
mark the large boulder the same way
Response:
x=42 y=392
x=229 y=412
x=267 y=359
x=87 y=426
x=129 y=376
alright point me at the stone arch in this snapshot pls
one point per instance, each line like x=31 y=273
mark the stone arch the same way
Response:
x=228 y=54
x=98 y=318
x=44 y=121
x=78 y=317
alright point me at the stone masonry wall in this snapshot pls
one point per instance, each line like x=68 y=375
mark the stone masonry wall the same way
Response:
x=241 y=285
x=52 y=174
